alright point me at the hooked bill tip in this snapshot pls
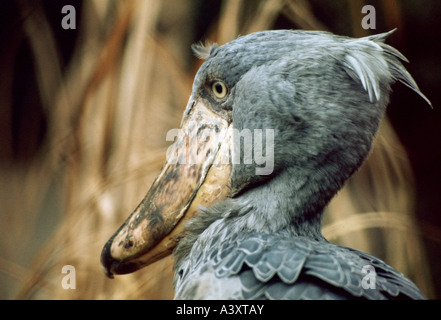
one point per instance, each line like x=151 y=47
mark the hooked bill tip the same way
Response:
x=107 y=260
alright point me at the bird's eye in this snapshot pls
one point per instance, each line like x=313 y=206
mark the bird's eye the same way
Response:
x=219 y=89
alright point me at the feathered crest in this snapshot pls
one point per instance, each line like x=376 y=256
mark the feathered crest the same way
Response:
x=371 y=61
x=203 y=50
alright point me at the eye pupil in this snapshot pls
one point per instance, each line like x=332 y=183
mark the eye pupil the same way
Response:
x=218 y=88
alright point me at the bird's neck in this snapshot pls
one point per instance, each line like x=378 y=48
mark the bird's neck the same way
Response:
x=288 y=204
x=290 y=200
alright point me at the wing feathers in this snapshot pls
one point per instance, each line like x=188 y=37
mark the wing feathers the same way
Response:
x=308 y=269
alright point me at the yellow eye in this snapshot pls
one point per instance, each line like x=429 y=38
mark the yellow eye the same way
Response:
x=219 y=89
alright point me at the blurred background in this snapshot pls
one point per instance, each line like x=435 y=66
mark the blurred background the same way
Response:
x=84 y=113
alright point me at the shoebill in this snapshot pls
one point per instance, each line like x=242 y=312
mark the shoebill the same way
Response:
x=277 y=121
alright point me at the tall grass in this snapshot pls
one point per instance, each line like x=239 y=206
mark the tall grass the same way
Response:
x=108 y=112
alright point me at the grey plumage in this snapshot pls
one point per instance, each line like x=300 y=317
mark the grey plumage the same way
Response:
x=228 y=263
x=324 y=95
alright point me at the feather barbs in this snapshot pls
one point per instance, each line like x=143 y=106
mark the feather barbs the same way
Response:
x=203 y=50
x=372 y=62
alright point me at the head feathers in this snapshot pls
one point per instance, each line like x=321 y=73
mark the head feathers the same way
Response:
x=203 y=50
x=373 y=62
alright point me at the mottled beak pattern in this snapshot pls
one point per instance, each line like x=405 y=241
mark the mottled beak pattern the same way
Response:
x=196 y=173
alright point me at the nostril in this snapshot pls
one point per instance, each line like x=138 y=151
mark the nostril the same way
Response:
x=128 y=244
